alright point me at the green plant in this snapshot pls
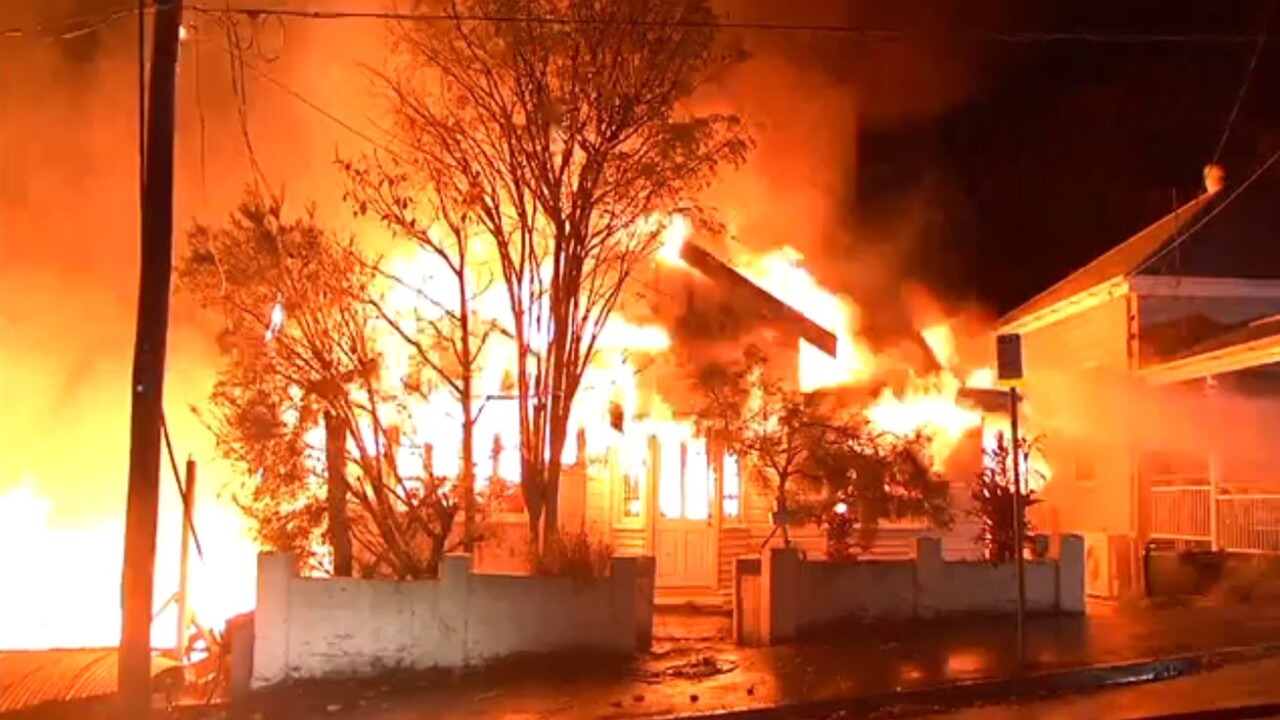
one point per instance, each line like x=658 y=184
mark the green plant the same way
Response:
x=993 y=496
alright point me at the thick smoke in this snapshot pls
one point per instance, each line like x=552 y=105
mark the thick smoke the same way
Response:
x=1108 y=414
x=809 y=98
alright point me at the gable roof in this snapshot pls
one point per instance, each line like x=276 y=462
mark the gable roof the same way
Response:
x=1236 y=234
x=1125 y=259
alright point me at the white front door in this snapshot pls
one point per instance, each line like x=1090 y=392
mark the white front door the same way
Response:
x=685 y=532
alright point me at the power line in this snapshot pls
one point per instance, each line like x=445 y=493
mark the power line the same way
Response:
x=1216 y=209
x=1244 y=85
x=62 y=31
x=73 y=27
x=307 y=102
x=860 y=32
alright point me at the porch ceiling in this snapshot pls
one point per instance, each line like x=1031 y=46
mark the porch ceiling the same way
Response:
x=1253 y=345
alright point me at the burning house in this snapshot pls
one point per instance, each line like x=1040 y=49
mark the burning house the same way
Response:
x=637 y=473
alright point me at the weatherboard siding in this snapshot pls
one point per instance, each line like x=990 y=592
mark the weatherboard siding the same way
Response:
x=1061 y=355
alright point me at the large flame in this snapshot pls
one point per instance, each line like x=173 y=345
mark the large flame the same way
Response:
x=928 y=405
x=430 y=416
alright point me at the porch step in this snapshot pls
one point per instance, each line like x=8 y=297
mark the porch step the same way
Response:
x=692 y=598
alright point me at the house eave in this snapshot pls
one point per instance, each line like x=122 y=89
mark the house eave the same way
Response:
x=1194 y=286
x=1254 y=353
x=1098 y=294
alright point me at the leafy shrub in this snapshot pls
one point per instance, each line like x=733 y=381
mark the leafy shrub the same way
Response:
x=992 y=497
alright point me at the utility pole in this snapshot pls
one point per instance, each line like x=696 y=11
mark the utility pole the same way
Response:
x=147 y=389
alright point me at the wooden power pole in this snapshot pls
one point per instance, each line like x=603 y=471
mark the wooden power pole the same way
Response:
x=147 y=396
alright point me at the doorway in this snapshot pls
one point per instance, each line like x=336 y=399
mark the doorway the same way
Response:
x=685 y=529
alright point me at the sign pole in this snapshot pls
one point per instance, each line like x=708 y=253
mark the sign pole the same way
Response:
x=1009 y=370
x=1019 y=526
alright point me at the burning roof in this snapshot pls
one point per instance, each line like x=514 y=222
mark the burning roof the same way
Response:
x=776 y=312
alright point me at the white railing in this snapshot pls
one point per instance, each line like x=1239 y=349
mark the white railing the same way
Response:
x=1249 y=523
x=1246 y=522
x=1180 y=512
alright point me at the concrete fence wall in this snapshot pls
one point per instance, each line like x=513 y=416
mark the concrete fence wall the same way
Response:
x=781 y=594
x=336 y=627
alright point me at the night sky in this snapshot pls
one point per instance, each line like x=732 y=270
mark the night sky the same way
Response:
x=1042 y=155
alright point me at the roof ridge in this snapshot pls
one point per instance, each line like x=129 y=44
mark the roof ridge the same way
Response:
x=1143 y=245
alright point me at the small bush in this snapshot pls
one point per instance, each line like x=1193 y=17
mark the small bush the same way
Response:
x=577 y=555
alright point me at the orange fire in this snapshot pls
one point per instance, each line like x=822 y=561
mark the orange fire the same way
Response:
x=928 y=405
x=62 y=572
x=223 y=583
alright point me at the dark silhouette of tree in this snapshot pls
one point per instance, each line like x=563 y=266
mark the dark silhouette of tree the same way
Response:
x=993 y=496
x=299 y=404
x=450 y=338
x=567 y=143
x=823 y=463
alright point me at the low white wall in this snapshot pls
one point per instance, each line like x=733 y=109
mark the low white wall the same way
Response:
x=784 y=594
x=336 y=627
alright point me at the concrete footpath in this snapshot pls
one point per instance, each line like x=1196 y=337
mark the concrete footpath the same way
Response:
x=694 y=670
x=1244 y=690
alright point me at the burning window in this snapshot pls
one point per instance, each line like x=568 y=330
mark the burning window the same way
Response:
x=732 y=499
x=632 y=498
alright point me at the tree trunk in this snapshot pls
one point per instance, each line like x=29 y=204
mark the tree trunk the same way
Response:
x=551 y=504
x=532 y=491
x=468 y=442
x=551 y=481
x=335 y=439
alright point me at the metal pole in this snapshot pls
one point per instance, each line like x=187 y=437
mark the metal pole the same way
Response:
x=1215 y=476
x=147 y=387
x=1018 y=523
x=188 y=511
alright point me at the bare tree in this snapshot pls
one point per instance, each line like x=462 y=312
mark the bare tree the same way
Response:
x=297 y=313
x=567 y=137
x=450 y=338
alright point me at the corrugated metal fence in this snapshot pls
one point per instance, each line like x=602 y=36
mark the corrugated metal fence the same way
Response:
x=39 y=677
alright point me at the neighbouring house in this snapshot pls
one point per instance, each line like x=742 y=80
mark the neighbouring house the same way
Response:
x=679 y=498
x=1192 y=296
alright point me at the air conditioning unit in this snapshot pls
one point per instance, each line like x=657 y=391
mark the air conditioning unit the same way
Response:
x=1107 y=565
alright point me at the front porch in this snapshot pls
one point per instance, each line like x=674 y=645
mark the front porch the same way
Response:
x=685 y=502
